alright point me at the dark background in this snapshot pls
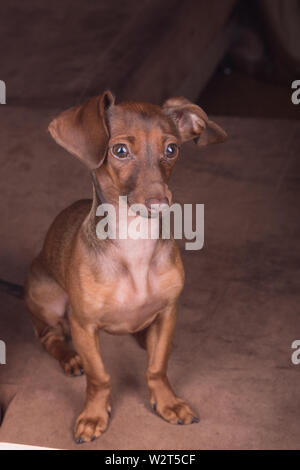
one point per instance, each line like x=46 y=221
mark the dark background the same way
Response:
x=236 y=56
x=239 y=312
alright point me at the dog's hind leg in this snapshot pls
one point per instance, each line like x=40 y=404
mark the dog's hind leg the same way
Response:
x=47 y=303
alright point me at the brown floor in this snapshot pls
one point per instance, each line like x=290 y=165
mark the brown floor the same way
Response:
x=238 y=315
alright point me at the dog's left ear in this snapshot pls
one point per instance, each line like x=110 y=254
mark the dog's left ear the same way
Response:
x=83 y=130
x=192 y=122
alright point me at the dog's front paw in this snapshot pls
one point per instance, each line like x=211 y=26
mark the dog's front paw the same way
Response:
x=88 y=428
x=177 y=411
x=72 y=364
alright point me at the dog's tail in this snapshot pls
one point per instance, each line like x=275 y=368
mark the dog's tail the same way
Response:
x=13 y=289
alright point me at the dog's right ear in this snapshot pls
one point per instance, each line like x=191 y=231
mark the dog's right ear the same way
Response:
x=192 y=122
x=83 y=130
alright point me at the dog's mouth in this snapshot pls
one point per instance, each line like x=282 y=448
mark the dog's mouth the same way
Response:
x=149 y=208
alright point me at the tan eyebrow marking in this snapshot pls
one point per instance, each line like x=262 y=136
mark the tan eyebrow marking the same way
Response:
x=130 y=138
x=170 y=136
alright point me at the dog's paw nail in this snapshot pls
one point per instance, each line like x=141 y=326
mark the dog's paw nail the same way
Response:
x=80 y=440
x=180 y=421
x=81 y=371
x=93 y=438
x=195 y=420
x=109 y=413
x=154 y=406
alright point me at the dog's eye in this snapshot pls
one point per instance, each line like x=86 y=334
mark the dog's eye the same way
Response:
x=120 y=151
x=171 y=150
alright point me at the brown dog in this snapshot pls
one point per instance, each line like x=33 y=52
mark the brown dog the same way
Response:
x=123 y=285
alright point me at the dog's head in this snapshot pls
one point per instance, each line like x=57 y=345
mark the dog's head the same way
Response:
x=133 y=146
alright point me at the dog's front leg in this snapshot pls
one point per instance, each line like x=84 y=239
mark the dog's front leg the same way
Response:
x=93 y=420
x=163 y=399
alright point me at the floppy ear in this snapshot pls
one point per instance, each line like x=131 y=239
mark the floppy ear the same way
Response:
x=83 y=130
x=192 y=122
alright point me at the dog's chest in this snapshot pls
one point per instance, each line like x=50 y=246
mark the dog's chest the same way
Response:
x=137 y=269
x=136 y=296
x=134 y=262
x=139 y=283
x=133 y=280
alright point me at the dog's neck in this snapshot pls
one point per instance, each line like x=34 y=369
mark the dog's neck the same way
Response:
x=90 y=223
x=99 y=194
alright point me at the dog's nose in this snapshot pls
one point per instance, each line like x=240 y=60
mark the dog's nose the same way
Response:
x=157 y=205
